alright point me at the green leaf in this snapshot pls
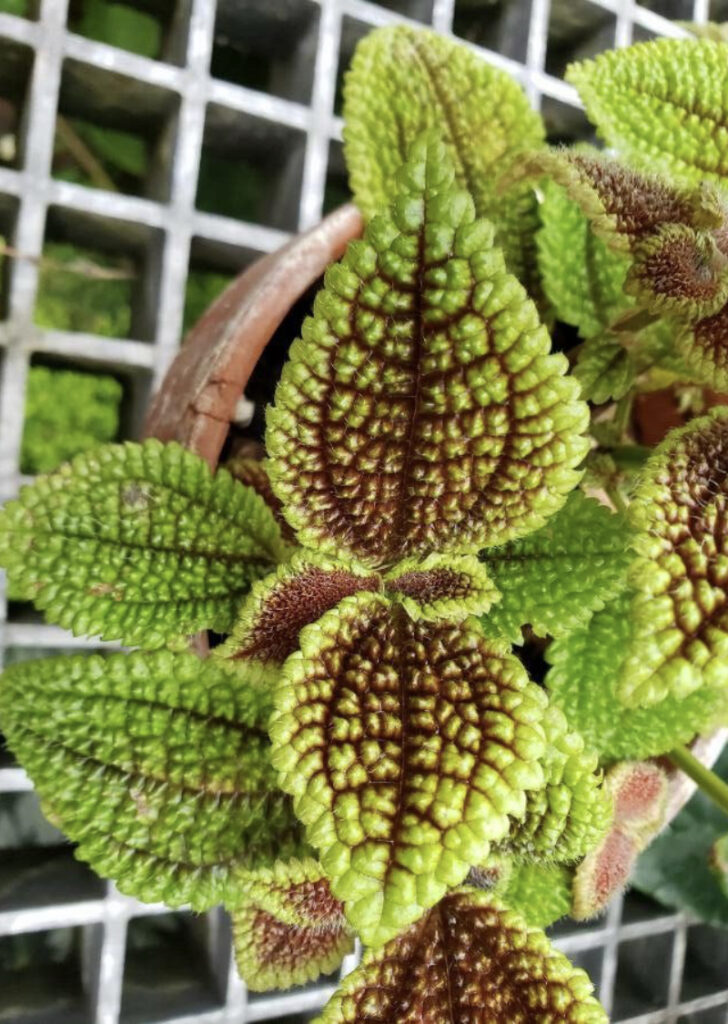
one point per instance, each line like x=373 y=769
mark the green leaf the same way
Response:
x=582 y=681
x=422 y=410
x=569 y=815
x=287 y=927
x=678 y=270
x=156 y=764
x=279 y=606
x=138 y=543
x=442 y=587
x=408 y=747
x=605 y=370
x=675 y=868
x=540 y=893
x=719 y=863
x=662 y=105
x=582 y=278
x=120 y=25
x=555 y=579
x=469 y=959
x=403 y=81
x=680 y=637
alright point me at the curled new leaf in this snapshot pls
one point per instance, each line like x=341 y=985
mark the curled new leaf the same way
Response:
x=662 y=105
x=680 y=637
x=677 y=270
x=155 y=764
x=408 y=747
x=287 y=927
x=639 y=794
x=556 y=578
x=422 y=410
x=621 y=204
x=404 y=81
x=582 y=681
x=138 y=543
x=279 y=606
x=442 y=587
x=469 y=959
x=572 y=812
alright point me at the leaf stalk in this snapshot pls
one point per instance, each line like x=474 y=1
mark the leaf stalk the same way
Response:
x=708 y=782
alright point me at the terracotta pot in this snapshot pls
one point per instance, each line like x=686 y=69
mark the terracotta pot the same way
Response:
x=197 y=400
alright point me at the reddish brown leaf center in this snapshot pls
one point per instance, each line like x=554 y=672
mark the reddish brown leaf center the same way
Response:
x=295 y=603
x=426 y=586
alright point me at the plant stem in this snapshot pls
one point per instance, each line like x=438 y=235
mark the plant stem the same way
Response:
x=630 y=456
x=617 y=500
x=622 y=414
x=707 y=781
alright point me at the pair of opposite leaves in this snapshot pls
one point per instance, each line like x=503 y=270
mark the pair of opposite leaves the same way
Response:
x=420 y=410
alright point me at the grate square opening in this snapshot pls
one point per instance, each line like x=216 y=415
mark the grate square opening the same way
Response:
x=638 y=908
x=482 y=22
x=41 y=978
x=21 y=8
x=565 y=123
x=577 y=30
x=681 y=10
x=498 y=25
x=590 y=960
x=16 y=62
x=68 y=410
x=211 y=268
x=267 y=47
x=418 y=10
x=706 y=957
x=149 y=28
x=250 y=169
x=336 y=191
x=97 y=275
x=716 y=1015
x=114 y=132
x=8 y=214
x=352 y=31
x=643 y=975
x=34 y=876
x=167 y=972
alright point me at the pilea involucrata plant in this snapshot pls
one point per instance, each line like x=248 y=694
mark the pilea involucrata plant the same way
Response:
x=365 y=752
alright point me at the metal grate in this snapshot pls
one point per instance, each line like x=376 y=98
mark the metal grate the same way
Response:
x=91 y=951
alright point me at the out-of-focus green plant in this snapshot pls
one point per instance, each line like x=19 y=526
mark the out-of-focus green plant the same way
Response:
x=83 y=290
x=66 y=412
